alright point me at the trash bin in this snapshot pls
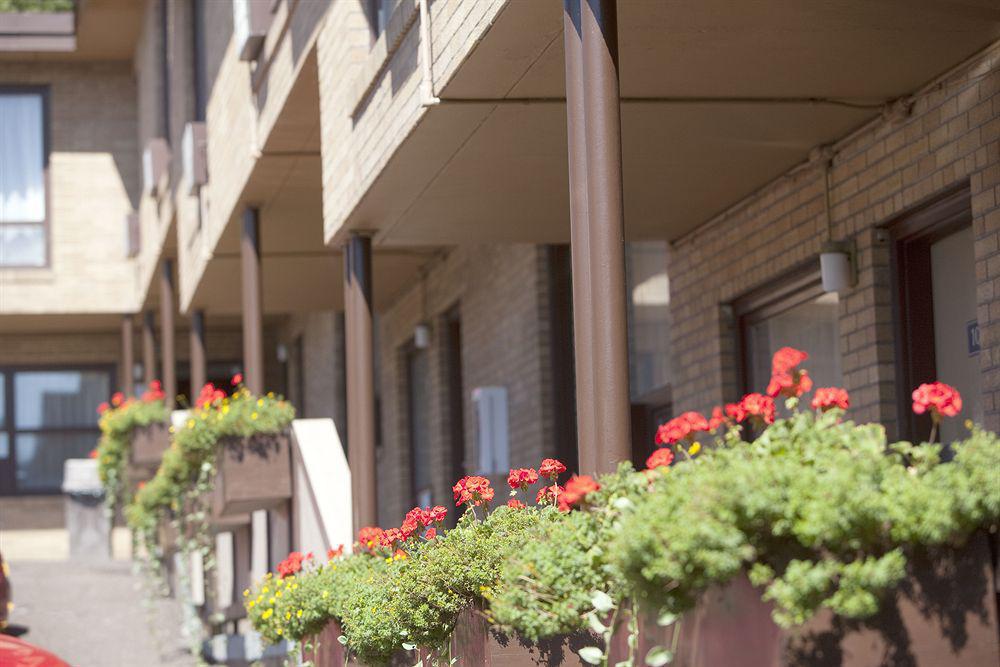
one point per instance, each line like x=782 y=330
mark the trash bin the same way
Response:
x=87 y=522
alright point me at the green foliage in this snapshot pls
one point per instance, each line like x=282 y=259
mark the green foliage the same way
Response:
x=821 y=512
x=300 y=606
x=36 y=6
x=117 y=424
x=547 y=585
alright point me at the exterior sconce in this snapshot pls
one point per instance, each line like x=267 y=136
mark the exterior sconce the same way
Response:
x=281 y=352
x=836 y=262
x=421 y=336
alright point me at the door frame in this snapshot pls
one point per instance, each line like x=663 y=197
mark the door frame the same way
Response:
x=912 y=235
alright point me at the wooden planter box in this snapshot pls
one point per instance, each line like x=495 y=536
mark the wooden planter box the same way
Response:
x=147 y=445
x=252 y=474
x=943 y=615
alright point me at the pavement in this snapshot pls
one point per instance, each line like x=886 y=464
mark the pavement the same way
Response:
x=93 y=614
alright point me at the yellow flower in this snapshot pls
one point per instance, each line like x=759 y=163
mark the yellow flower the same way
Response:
x=225 y=409
x=270 y=601
x=260 y=402
x=246 y=593
x=253 y=415
x=267 y=614
x=279 y=631
x=325 y=594
x=695 y=448
x=298 y=614
x=288 y=615
x=270 y=394
x=278 y=594
x=190 y=423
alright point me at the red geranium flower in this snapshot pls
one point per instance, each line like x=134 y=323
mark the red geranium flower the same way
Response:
x=435 y=514
x=93 y=453
x=736 y=411
x=786 y=359
x=521 y=478
x=103 y=407
x=681 y=427
x=548 y=494
x=661 y=458
x=472 y=489
x=789 y=384
x=551 y=468
x=117 y=398
x=827 y=398
x=335 y=553
x=390 y=537
x=209 y=395
x=940 y=399
x=577 y=488
x=154 y=393
x=515 y=504
x=430 y=534
x=718 y=418
x=759 y=406
x=369 y=537
x=237 y=380
x=293 y=563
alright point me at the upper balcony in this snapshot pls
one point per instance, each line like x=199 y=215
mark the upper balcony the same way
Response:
x=461 y=135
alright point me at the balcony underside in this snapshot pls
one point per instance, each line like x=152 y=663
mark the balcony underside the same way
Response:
x=719 y=99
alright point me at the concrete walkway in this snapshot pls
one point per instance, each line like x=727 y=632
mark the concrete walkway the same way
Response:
x=95 y=615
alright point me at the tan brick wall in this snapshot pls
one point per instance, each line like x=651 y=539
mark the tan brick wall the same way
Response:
x=93 y=180
x=951 y=137
x=357 y=145
x=501 y=294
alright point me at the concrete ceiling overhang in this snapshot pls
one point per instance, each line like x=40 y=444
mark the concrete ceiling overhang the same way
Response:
x=719 y=98
x=299 y=271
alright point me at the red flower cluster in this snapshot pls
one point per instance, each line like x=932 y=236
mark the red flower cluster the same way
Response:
x=335 y=553
x=521 y=478
x=209 y=395
x=940 y=399
x=369 y=537
x=786 y=379
x=293 y=564
x=390 y=537
x=154 y=393
x=754 y=405
x=827 y=398
x=514 y=503
x=577 y=488
x=472 y=489
x=551 y=468
x=548 y=494
x=679 y=428
x=661 y=458
x=237 y=380
x=117 y=398
x=418 y=518
x=93 y=453
x=103 y=407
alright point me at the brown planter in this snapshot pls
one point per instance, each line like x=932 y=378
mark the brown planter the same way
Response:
x=944 y=614
x=252 y=474
x=147 y=444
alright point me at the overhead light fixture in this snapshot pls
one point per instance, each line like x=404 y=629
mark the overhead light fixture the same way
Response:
x=836 y=263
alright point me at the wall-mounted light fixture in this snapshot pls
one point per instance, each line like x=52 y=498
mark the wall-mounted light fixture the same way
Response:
x=421 y=336
x=836 y=263
x=281 y=353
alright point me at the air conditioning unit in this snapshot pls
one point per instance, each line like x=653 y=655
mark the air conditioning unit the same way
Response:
x=155 y=163
x=251 y=19
x=492 y=430
x=133 y=239
x=194 y=156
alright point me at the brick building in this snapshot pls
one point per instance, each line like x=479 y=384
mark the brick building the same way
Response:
x=208 y=165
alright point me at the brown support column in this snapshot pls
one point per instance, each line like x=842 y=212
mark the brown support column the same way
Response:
x=253 y=319
x=128 y=356
x=168 y=354
x=579 y=238
x=148 y=348
x=199 y=370
x=606 y=222
x=360 y=378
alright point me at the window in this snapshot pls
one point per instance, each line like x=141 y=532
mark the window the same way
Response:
x=648 y=342
x=379 y=13
x=48 y=416
x=22 y=178
x=798 y=314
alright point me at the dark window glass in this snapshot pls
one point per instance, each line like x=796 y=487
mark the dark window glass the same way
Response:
x=418 y=412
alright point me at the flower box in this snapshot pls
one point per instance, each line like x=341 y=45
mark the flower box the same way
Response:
x=252 y=473
x=945 y=613
x=147 y=444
